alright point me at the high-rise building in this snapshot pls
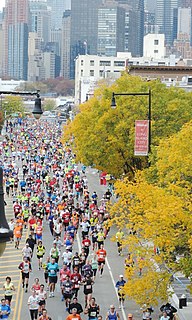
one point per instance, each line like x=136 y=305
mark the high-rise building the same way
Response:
x=111 y=30
x=136 y=29
x=16 y=39
x=84 y=25
x=57 y=9
x=65 y=45
x=164 y=18
x=40 y=19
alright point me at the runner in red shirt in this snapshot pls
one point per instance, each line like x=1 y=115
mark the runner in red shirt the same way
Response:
x=101 y=255
x=86 y=244
x=66 y=219
x=76 y=279
x=17 y=208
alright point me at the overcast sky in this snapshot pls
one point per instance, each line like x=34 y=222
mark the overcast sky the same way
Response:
x=2 y=3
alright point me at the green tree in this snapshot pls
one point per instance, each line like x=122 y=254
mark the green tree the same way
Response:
x=12 y=104
x=49 y=105
x=105 y=137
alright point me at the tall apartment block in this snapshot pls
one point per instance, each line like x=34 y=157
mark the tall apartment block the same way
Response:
x=16 y=39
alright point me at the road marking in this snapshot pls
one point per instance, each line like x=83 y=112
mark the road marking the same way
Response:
x=113 y=281
x=20 y=304
x=17 y=298
x=110 y=272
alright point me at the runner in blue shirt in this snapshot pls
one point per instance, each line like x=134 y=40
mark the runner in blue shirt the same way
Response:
x=52 y=268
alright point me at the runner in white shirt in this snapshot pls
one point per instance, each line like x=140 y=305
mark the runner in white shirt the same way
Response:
x=42 y=295
x=33 y=303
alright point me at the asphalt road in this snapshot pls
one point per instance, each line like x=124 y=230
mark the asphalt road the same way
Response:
x=104 y=288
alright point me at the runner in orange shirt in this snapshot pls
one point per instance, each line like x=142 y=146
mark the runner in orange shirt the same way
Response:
x=17 y=234
x=101 y=255
x=74 y=315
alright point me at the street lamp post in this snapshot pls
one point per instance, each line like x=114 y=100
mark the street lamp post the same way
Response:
x=148 y=94
x=5 y=232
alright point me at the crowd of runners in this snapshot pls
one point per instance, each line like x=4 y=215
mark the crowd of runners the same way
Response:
x=48 y=188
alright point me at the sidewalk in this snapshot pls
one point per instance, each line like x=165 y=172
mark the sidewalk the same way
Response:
x=180 y=283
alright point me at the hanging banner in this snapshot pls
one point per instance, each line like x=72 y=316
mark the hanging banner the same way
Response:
x=141 y=138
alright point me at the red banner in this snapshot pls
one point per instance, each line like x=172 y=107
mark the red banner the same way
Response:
x=141 y=138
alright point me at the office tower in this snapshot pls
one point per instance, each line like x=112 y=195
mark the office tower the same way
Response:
x=40 y=19
x=16 y=39
x=136 y=29
x=65 y=45
x=57 y=9
x=164 y=18
x=84 y=25
x=111 y=30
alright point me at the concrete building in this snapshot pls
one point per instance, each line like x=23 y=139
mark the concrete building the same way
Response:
x=154 y=46
x=10 y=85
x=65 y=45
x=111 y=30
x=89 y=69
x=35 y=63
x=184 y=21
x=49 y=65
x=16 y=39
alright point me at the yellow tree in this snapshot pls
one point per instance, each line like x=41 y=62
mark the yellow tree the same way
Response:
x=158 y=215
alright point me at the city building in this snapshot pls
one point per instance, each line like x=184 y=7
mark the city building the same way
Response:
x=15 y=55
x=57 y=9
x=89 y=69
x=111 y=30
x=136 y=28
x=66 y=45
x=40 y=19
x=84 y=29
x=10 y=85
x=35 y=58
x=154 y=46
x=165 y=18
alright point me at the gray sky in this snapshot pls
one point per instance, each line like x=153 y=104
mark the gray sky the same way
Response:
x=2 y=4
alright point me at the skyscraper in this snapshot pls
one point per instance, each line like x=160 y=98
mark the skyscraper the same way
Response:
x=16 y=39
x=40 y=19
x=111 y=30
x=164 y=18
x=84 y=24
x=136 y=29
x=57 y=9
x=65 y=45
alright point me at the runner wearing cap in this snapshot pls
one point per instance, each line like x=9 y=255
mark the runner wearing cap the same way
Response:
x=119 y=285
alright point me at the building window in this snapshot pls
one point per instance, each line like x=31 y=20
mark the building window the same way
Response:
x=81 y=73
x=119 y=63
x=92 y=62
x=91 y=73
x=156 y=42
x=156 y=51
x=81 y=62
x=101 y=73
x=105 y=63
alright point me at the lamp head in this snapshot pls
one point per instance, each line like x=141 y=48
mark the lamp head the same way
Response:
x=37 y=111
x=113 y=102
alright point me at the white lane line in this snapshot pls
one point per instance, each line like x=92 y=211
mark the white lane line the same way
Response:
x=78 y=242
x=113 y=281
x=110 y=272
